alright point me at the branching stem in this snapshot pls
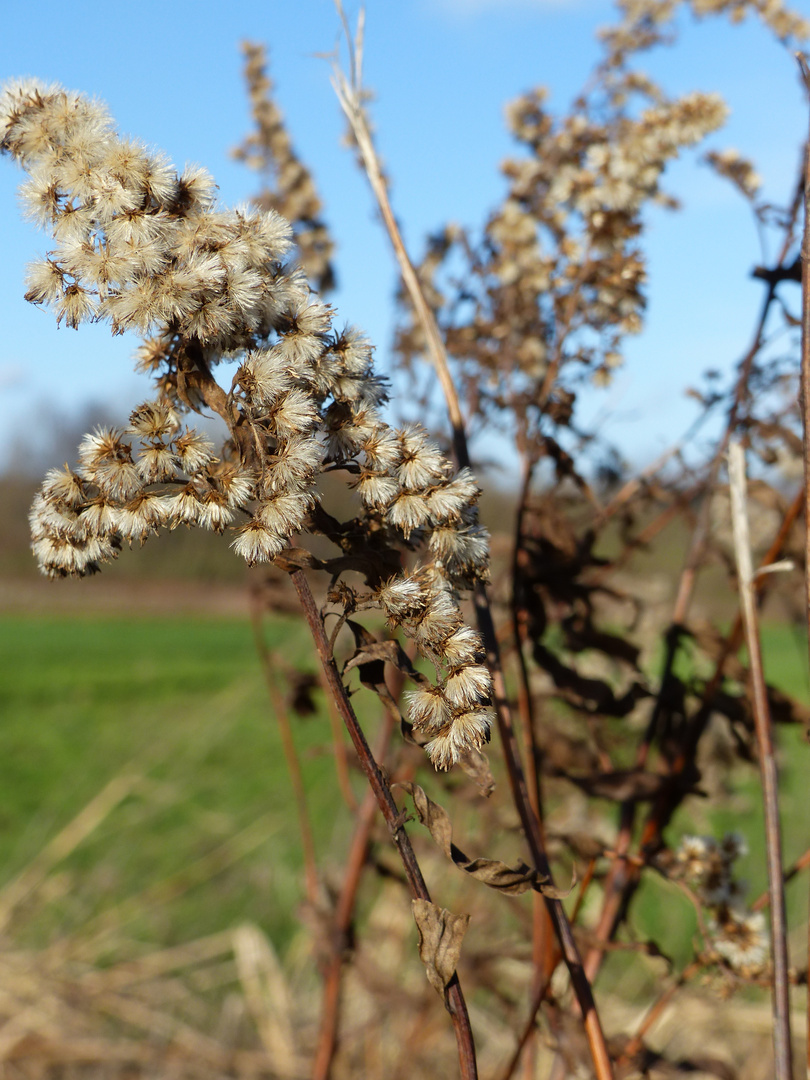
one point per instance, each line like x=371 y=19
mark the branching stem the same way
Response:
x=454 y=998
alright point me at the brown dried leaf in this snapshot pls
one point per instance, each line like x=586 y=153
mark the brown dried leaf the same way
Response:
x=297 y=558
x=372 y=655
x=512 y=880
x=440 y=936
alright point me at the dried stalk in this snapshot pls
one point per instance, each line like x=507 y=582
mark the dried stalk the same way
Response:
x=342 y=920
x=767 y=763
x=349 y=94
x=636 y=1044
x=795 y=868
x=544 y=956
x=454 y=998
x=804 y=408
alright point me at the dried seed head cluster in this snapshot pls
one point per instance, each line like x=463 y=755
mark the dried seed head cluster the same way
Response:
x=136 y=243
x=289 y=189
x=645 y=23
x=454 y=713
x=558 y=277
x=545 y=295
x=738 y=936
x=143 y=247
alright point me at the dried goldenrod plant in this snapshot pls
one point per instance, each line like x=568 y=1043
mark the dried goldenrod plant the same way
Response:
x=615 y=701
x=145 y=248
x=288 y=186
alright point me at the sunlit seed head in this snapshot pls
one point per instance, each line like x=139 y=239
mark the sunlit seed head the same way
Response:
x=256 y=542
x=141 y=517
x=403 y=598
x=467 y=731
x=742 y=941
x=193 y=451
x=156 y=464
x=215 y=513
x=382 y=449
x=463 y=647
x=468 y=686
x=64 y=486
x=440 y=619
x=153 y=420
x=408 y=512
x=184 y=508
x=284 y=513
x=420 y=466
x=427 y=710
x=377 y=490
x=294 y=413
x=100 y=516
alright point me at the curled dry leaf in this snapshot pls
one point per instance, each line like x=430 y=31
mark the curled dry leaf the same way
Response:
x=371 y=655
x=440 y=936
x=497 y=875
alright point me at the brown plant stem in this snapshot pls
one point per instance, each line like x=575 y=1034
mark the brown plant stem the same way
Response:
x=454 y=998
x=538 y=993
x=804 y=408
x=544 y=955
x=767 y=763
x=795 y=868
x=340 y=752
x=350 y=96
x=531 y=827
x=342 y=919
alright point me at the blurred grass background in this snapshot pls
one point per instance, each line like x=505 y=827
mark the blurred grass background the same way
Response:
x=181 y=703
x=128 y=674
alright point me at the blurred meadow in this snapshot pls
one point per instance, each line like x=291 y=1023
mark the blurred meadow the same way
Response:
x=204 y=872
x=150 y=832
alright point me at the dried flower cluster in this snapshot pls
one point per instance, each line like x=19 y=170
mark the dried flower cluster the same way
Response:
x=738 y=936
x=143 y=247
x=645 y=23
x=289 y=188
x=557 y=278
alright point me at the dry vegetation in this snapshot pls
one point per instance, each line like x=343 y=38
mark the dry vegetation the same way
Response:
x=575 y=923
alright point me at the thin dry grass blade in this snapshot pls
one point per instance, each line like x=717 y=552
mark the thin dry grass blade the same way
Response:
x=214 y=862
x=86 y=821
x=268 y=997
x=180 y=957
x=767 y=763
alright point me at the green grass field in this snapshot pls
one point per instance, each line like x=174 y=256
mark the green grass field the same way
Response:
x=208 y=837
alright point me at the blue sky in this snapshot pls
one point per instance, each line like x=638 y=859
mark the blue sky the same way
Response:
x=441 y=71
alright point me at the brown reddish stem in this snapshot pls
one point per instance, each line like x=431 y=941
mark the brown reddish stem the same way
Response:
x=800 y=864
x=804 y=407
x=544 y=955
x=656 y=1009
x=342 y=920
x=454 y=998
